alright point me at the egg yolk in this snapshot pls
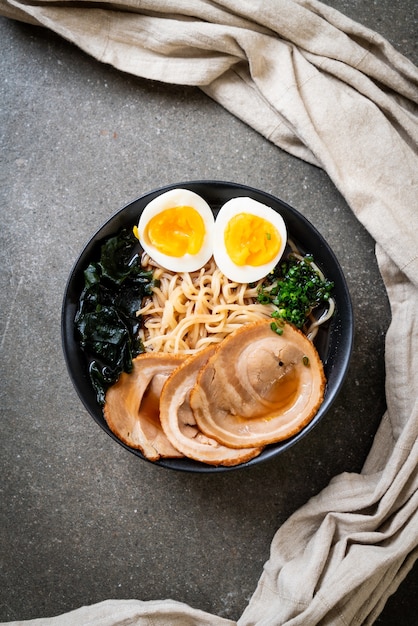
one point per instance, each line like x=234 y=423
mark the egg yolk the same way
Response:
x=176 y=231
x=251 y=240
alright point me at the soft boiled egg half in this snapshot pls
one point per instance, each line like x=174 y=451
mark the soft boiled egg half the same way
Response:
x=250 y=239
x=176 y=230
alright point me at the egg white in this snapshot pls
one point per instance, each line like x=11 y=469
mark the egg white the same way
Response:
x=245 y=273
x=167 y=200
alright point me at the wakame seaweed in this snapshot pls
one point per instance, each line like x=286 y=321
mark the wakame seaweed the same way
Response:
x=106 y=319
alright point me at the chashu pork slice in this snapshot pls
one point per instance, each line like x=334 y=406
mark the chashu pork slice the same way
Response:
x=131 y=407
x=180 y=426
x=258 y=387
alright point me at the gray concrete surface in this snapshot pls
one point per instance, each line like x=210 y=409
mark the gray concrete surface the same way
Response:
x=83 y=520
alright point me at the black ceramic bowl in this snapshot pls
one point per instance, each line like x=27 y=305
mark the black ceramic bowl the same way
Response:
x=333 y=342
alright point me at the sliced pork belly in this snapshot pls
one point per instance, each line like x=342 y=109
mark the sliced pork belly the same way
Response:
x=179 y=424
x=131 y=405
x=258 y=387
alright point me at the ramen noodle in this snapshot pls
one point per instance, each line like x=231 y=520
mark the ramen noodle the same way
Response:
x=189 y=311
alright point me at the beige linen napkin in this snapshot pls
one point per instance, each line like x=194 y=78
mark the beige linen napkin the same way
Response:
x=336 y=94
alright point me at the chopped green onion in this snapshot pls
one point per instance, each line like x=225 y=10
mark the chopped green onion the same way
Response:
x=277 y=329
x=296 y=288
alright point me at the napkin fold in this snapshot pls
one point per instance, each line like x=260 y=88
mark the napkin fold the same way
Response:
x=338 y=95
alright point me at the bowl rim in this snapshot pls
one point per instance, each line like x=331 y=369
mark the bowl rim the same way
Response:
x=342 y=348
